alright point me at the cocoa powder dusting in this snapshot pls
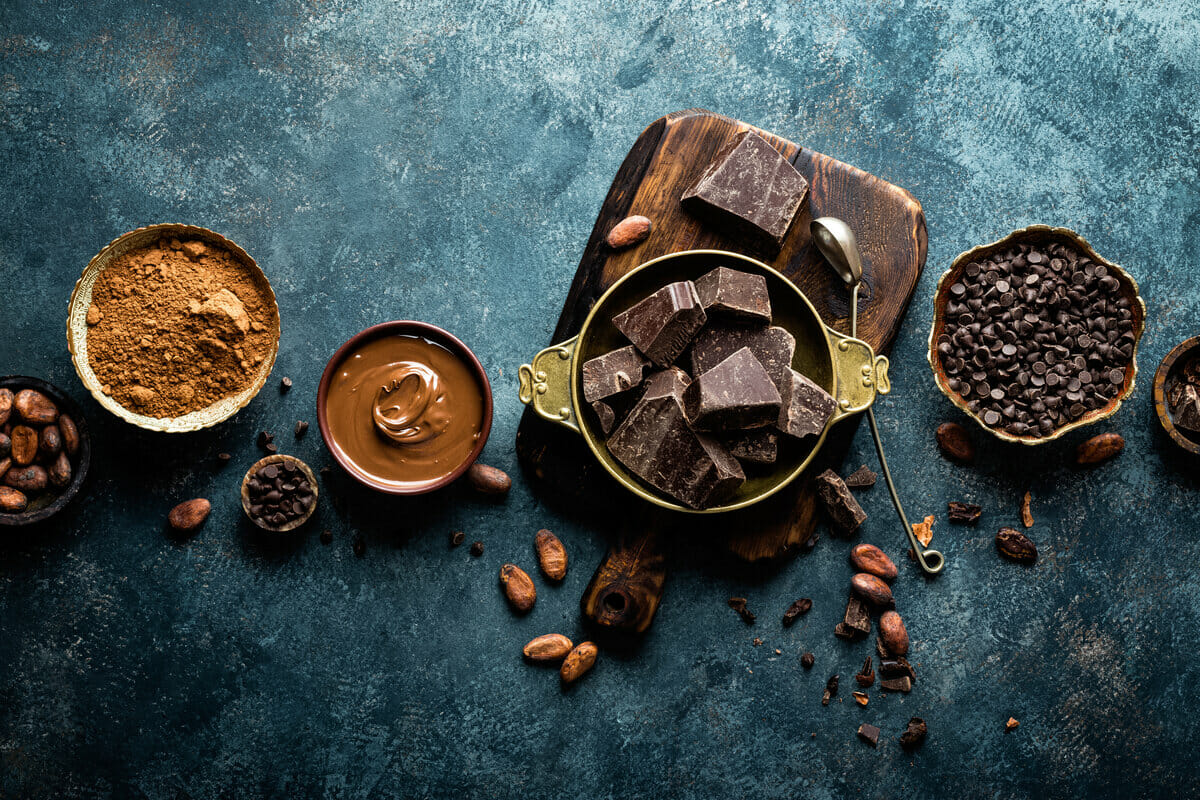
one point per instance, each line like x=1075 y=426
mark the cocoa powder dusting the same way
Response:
x=177 y=326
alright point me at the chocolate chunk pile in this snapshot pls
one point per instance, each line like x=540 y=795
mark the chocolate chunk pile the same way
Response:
x=689 y=434
x=1036 y=337
x=279 y=493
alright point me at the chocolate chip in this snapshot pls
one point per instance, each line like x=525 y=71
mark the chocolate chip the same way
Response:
x=301 y=429
x=807 y=660
x=477 y=549
x=457 y=538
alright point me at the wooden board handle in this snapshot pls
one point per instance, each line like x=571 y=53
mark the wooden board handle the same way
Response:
x=625 y=591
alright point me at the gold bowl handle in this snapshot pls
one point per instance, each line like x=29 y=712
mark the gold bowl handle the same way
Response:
x=861 y=375
x=546 y=384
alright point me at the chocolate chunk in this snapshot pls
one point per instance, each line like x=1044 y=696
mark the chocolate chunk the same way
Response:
x=869 y=734
x=865 y=676
x=738 y=604
x=796 y=610
x=301 y=429
x=605 y=415
x=738 y=295
x=664 y=382
x=663 y=324
x=750 y=188
x=831 y=690
x=897 y=667
x=902 y=684
x=806 y=408
x=477 y=549
x=656 y=443
x=861 y=478
x=735 y=394
x=914 y=734
x=964 y=513
x=457 y=538
x=843 y=510
x=773 y=347
x=612 y=373
x=807 y=660
x=757 y=446
x=856 y=617
x=844 y=631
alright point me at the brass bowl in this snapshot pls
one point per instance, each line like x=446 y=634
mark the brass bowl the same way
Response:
x=81 y=298
x=1034 y=233
x=1178 y=354
x=280 y=458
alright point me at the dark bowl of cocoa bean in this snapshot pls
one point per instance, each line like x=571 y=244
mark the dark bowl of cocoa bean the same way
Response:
x=1177 y=394
x=1036 y=334
x=45 y=450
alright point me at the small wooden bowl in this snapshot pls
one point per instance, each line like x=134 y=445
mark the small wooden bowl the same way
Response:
x=280 y=458
x=1178 y=355
x=47 y=505
x=1031 y=234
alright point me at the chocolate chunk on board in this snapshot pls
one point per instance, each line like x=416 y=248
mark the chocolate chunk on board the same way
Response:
x=861 y=478
x=772 y=346
x=844 y=512
x=750 y=188
x=734 y=395
x=726 y=292
x=756 y=446
x=612 y=373
x=656 y=443
x=806 y=407
x=663 y=324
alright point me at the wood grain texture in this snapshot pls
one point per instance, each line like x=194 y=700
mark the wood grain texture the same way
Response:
x=625 y=591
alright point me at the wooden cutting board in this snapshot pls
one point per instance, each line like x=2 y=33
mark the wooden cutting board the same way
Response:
x=665 y=159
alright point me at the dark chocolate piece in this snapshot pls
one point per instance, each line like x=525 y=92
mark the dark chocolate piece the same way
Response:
x=964 y=513
x=861 y=478
x=796 y=609
x=758 y=445
x=902 y=684
x=612 y=373
x=914 y=734
x=750 y=188
x=869 y=734
x=807 y=660
x=773 y=347
x=844 y=631
x=806 y=408
x=734 y=395
x=656 y=443
x=865 y=676
x=897 y=667
x=604 y=415
x=738 y=604
x=856 y=617
x=831 y=689
x=844 y=511
x=663 y=324
x=739 y=295
x=663 y=382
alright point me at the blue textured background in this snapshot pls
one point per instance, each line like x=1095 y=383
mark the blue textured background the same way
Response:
x=445 y=161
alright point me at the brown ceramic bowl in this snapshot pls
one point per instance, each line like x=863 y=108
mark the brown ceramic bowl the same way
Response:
x=1034 y=234
x=280 y=458
x=1176 y=358
x=431 y=333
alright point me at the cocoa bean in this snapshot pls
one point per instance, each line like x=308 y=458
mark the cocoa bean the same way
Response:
x=6 y=404
x=518 y=588
x=578 y=661
x=550 y=647
x=70 y=434
x=49 y=443
x=189 y=515
x=24 y=445
x=552 y=556
x=5 y=445
x=869 y=558
x=1099 y=448
x=893 y=634
x=628 y=232
x=955 y=444
x=5 y=463
x=59 y=471
x=1015 y=545
x=12 y=501
x=488 y=480
x=28 y=479
x=872 y=589
x=35 y=407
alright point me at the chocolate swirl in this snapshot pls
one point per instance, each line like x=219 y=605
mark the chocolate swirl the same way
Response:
x=413 y=406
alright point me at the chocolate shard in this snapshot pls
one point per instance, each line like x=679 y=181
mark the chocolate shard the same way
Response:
x=902 y=684
x=861 y=478
x=844 y=631
x=806 y=409
x=738 y=295
x=734 y=395
x=605 y=415
x=857 y=617
x=964 y=513
x=663 y=324
x=844 y=511
x=914 y=734
x=612 y=373
x=663 y=382
x=869 y=734
x=897 y=667
x=756 y=446
x=656 y=443
x=750 y=188
x=796 y=610
x=772 y=346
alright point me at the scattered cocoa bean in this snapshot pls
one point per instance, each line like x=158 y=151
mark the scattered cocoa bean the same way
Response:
x=1015 y=545
x=831 y=689
x=869 y=558
x=12 y=501
x=550 y=647
x=24 y=445
x=477 y=549
x=27 y=479
x=552 y=556
x=914 y=734
x=457 y=538
x=34 y=407
x=869 y=734
x=5 y=445
x=796 y=610
x=1026 y=513
x=60 y=471
x=807 y=660
x=1099 y=448
x=738 y=604
x=6 y=404
x=578 y=661
x=893 y=633
x=488 y=480
x=70 y=434
x=49 y=443
x=189 y=515
x=870 y=588
x=865 y=676
x=955 y=444
x=518 y=588
x=628 y=232
x=964 y=513
x=5 y=464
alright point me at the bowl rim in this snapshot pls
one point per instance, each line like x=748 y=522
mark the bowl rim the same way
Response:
x=428 y=331
x=279 y=458
x=80 y=470
x=1161 y=409
x=961 y=260
x=169 y=424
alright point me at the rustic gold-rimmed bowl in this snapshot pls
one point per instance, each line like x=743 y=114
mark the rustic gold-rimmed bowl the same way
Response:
x=280 y=458
x=81 y=299
x=1034 y=234
x=1171 y=363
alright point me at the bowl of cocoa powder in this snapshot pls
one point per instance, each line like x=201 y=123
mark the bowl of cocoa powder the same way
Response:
x=173 y=327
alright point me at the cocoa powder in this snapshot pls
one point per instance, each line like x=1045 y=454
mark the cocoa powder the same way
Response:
x=177 y=326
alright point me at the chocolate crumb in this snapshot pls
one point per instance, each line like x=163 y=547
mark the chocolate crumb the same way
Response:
x=224 y=458
x=807 y=660
x=831 y=689
x=902 y=684
x=477 y=549
x=271 y=448
x=964 y=513
x=1026 y=512
x=796 y=609
x=265 y=438
x=457 y=538
x=757 y=641
x=326 y=536
x=869 y=734
x=301 y=429
x=914 y=734
x=861 y=478
x=284 y=385
x=1011 y=724
x=738 y=604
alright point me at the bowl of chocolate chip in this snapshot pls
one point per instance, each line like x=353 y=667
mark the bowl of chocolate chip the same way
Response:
x=1177 y=394
x=1036 y=334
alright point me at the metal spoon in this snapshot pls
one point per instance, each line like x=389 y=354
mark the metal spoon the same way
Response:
x=836 y=242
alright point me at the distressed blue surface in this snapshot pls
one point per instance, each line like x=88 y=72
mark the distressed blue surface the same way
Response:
x=445 y=161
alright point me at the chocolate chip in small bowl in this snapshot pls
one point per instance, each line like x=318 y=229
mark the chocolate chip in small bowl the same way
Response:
x=279 y=493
